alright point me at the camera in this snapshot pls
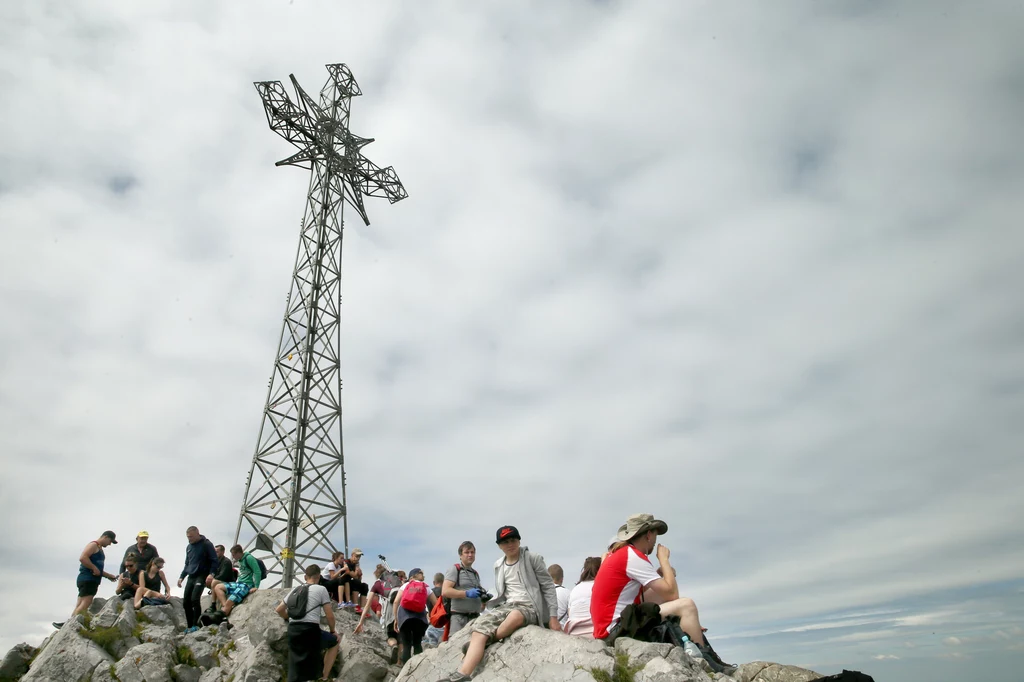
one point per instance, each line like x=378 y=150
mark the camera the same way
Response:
x=485 y=596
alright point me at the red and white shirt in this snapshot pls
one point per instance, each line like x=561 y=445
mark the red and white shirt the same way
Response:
x=617 y=585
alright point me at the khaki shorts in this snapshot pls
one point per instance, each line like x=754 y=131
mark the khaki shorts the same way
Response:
x=490 y=619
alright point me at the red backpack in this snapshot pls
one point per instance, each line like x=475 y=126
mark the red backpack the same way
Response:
x=414 y=598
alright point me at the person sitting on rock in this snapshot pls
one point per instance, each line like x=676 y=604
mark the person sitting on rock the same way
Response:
x=228 y=595
x=127 y=582
x=306 y=640
x=561 y=592
x=225 y=570
x=579 y=623
x=462 y=587
x=524 y=595
x=143 y=551
x=627 y=571
x=356 y=588
x=337 y=577
x=91 y=573
x=149 y=585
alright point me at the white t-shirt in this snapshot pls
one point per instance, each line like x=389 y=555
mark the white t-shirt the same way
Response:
x=330 y=568
x=515 y=590
x=562 y=595
x=579 y=622
x=316 y=598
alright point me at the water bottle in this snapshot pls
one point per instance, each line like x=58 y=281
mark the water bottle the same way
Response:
x=691 y=649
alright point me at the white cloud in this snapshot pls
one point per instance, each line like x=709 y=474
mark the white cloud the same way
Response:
x=731 y=268
x=952 y=641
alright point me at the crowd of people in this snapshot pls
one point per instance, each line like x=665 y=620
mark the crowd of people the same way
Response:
x=618 y=594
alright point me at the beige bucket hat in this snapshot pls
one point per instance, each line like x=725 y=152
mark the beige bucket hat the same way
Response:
x=640 y=523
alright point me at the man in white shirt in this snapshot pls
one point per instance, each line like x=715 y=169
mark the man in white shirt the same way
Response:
x=561 y=592
x=306 y=640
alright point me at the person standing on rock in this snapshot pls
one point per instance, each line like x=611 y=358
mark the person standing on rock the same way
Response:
x=306 y=640
x=200 y=557
x=91 y=573
x=627 y=572
x=144 y=552
x=412 y=604
x=524 y=595
x=462 y=587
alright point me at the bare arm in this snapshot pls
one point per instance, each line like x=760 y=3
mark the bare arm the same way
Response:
x=282 y=610
x=665 y=586
x=89 y=550
x=448 y=591
x=167 y=587
x=330 y=616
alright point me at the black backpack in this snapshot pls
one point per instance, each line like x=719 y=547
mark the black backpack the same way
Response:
x=263 y=569
x=296 y=601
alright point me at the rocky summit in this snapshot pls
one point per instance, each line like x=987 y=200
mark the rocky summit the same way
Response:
x=116 y=642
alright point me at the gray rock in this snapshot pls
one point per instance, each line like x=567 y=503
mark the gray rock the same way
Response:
x=259 y=664
x=640 y=653
x=107 y=615
x=698 y=669
x=97 y=605
x=68 y=657
x=159 y=615
x=761 y=671
x=104 y=673
x=160 y=633
x=15 y=662
x=186 y=673
x=256 y=618
x=149 y=662
x=528 y=654
x=178 y=611
x=125 y=624
x=213 y=675
x=661 y=670
x=360 y=663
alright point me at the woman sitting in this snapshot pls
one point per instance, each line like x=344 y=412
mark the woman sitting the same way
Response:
x=579 y=622
x=149 y=585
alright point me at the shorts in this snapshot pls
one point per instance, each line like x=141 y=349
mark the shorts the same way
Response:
x=236 y=592
x=88 y=588
x=327 y=639
x=489 y=621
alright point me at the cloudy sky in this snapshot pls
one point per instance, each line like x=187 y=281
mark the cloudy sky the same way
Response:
x=755 y=269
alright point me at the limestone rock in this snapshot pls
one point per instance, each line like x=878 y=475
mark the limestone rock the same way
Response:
x=107 y=615
x=97 y=605
x=68 y=657
x=159 y=633
x=256 y=617
x=213 y=675
x=206 y=645
x=259 y=664
x=761 y=671
x=186 y=673
x=160 y=615
x=15 y=662
x=149 y=662
x=640 y=653
x=104 y=673
x=532 y=653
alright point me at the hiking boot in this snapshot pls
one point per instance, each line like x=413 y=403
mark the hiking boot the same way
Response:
x=714 y=662
x=394 y=654
x=58 y=625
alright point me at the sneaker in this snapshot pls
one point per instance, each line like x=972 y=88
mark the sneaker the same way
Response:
x=358 y=610
x=714 y=662
x=191 y=629
x=58 y=625
x=456 y=677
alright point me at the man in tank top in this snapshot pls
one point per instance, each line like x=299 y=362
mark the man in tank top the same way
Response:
x=90 y=572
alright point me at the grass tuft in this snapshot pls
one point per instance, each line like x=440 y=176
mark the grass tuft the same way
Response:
x=184 y=656
x=105 y=637
x=622 y=671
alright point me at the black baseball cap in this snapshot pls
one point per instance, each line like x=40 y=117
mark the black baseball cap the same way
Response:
x=110 y=534
x=506 y=532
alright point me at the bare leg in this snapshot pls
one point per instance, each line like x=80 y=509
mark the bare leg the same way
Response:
x=83 y=605
x=478 y=641
x=228 y=605
x=688 y=618
x=329 y=657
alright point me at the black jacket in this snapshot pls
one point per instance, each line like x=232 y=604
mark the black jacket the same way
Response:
x=200 y=558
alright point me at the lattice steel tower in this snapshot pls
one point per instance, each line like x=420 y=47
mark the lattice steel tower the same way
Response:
x=295 y=492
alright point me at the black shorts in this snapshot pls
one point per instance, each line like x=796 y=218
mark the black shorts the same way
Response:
x=88 y=588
